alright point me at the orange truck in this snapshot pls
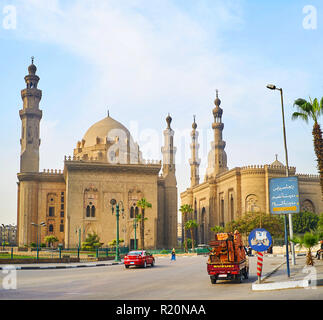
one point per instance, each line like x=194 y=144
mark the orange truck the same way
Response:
x=227 y=258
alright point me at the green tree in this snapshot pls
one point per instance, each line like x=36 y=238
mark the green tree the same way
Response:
x=143 y=204
x=113 y=243
x=185 y=209
x=305 y=222
x=320 y=222
x=92 y=242
x=272 y=223
x=312 y=109
x=217 y=229
x=309 y=240
x=50 y=240
x=191 y=225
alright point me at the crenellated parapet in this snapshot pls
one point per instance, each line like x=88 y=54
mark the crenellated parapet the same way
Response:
x=53 y=171
x=308 y=177
x=99 y=160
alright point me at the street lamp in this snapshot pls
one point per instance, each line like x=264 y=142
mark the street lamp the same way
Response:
x=291 y=235
x=38 y=226
x=113 y=203
x=135 y=225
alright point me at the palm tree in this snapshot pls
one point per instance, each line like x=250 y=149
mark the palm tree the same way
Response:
x=191 y=225
x=312 y=110
x=217 y=229
x=309 y=240
x=143 y=204
x=185 y=209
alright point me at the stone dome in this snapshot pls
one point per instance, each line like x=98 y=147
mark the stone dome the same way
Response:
x=277 y=163
x=106 y=128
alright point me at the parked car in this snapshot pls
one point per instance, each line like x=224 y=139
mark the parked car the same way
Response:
x=139 y=258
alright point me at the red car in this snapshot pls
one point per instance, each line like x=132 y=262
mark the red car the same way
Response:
x=139 y=258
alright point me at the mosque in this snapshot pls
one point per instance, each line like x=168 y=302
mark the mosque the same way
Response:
x=106 y=164
x=226 y=194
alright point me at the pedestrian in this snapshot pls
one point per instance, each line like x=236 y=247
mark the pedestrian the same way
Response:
x=173 y=255
x=318 y=252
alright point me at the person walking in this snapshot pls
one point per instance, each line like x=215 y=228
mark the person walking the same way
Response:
x=173 y=255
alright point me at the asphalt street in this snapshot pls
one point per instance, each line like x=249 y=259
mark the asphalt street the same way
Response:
x=184 y=279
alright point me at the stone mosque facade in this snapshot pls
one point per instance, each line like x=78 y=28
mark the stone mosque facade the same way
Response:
x=106 y=164
x=226 y=194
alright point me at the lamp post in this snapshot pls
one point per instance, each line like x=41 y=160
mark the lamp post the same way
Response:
x=291 y=234
x=38 y=226
x=113 y=203
x=135 y=224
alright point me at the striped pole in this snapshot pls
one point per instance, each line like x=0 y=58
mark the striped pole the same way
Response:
x=260 y=260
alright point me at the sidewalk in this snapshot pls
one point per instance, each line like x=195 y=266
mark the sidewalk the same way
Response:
x=301 y=276
x=59 y=265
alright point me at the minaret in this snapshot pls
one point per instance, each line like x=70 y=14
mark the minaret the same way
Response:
x=30 y=117
x=168 y=150
x=169 y=197
x=194 y=161
x=217 y=160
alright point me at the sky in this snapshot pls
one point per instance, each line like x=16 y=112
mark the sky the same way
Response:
x=143 y=59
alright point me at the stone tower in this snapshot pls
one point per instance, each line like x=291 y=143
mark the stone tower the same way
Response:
x=170 y=185
x=30 y=117
x=194 y=161
x=28 y=176
x=217 y=159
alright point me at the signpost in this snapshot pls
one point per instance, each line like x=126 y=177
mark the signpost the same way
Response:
x=260 y=240
x=284 y=199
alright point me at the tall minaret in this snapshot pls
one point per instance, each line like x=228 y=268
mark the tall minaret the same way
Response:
x=194 y=161
x=30 y=117
x=168 y=150
x=217 y=160
x=169 y=198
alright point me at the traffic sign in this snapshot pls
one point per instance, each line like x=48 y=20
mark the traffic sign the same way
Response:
x=284 y=195
x=260 y=240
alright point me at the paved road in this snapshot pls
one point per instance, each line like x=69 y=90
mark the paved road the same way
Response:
x=185 y=279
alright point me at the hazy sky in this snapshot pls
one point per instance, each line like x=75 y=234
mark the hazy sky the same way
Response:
x=144 y=59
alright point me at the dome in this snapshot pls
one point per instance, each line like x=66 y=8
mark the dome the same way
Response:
x=277 y=163
x=106 y=128
x=32 y=69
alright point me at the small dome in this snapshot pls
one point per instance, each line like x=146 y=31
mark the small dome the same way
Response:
x=169 y=121
x=277 y=163
x=194 y=125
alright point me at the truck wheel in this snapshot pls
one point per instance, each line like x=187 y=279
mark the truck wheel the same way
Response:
x=214 y=279
x=246 y=273
x=127 y=267
x=239 y=277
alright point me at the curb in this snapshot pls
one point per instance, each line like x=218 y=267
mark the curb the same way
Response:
x=287 y=285
x=13 y=267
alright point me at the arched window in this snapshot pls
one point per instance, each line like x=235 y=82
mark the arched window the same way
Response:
x=232 y=208
x=51 y=211
x=132 y=212
x=222 y=213
x=136 y=212
x=88 y=212
x=51 y=228
x=93 y=211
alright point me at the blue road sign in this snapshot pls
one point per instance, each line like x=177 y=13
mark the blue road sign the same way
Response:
x=260 y=240
x=284 y=195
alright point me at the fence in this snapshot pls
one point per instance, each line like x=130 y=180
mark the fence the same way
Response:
x=61 y=254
